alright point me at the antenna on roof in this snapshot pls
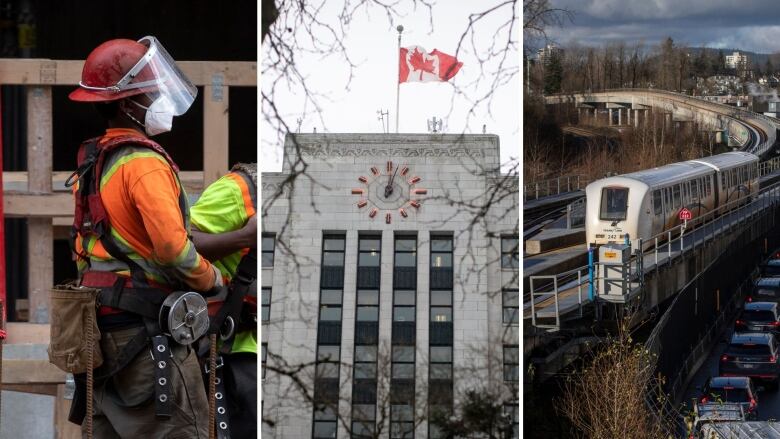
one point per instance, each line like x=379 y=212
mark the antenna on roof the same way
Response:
x=484 y=128
x=434 y=125
x=299 y=121
x=381 y=118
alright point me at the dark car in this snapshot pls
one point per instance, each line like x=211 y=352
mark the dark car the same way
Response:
x=771 y=268
x=766 y=289
x=752 y=354
x=758 y=316
x=732 y=389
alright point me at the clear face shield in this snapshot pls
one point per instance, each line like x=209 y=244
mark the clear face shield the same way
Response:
x=157 y=77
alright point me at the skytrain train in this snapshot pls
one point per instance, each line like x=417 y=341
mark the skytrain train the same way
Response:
x=645 y=203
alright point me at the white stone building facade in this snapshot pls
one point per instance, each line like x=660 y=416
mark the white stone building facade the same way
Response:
x=389 y=287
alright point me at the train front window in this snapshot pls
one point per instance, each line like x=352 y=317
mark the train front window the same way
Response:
x=614 y=202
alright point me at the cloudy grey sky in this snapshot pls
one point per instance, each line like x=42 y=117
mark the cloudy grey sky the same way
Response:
x=752 y=25
x=351 y=106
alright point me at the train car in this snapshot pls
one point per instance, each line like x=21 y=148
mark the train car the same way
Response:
x=645 y=203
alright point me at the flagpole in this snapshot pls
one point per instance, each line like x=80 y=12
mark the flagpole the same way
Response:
x=400 y=29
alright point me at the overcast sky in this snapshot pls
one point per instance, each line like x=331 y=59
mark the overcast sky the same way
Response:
x=752 y=25
x=373 y=43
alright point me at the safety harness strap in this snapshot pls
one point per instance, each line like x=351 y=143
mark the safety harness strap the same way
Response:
x=220 y=395
x=240 y=285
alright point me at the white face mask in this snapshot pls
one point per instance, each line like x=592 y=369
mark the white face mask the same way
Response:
x=159 y=116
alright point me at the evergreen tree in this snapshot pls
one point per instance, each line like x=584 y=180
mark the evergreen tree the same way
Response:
x=553 y=74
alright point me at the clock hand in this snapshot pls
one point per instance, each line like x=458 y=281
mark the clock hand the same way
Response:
x=389 y=187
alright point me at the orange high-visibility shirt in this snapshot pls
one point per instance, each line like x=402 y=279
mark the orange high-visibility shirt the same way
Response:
x=140 y=193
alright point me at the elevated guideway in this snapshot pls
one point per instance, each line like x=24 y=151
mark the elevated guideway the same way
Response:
x=751 y=132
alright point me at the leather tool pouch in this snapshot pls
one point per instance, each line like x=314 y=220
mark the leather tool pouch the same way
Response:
x=73 y=310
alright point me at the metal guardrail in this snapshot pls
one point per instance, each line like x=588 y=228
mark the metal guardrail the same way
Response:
x=553 y=186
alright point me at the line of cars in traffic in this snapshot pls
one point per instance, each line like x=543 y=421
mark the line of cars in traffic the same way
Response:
x=750 y=364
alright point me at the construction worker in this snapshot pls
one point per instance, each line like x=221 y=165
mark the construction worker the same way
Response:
x=224 y=229
x=131 y=237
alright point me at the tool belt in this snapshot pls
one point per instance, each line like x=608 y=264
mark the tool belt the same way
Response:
x=152 y=306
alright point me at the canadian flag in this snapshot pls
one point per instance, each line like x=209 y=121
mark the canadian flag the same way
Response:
x=417 y=65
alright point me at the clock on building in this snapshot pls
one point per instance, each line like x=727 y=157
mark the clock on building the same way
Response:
x=390 y=191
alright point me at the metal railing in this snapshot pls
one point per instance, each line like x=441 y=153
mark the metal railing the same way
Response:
x=543 y=288
x=768 y=166
x=553 y=186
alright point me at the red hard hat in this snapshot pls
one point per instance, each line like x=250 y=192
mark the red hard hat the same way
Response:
x=106 y=66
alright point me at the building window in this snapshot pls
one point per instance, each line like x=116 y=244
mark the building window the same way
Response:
x=268 y=247
x=366 y=337
x=511 y=363
x=326 y=381
x=403 y=337
x=266 y=305
x=264 y=358
x=512 y=411
x=510 y=252
x=440 y=338
x=511 y=306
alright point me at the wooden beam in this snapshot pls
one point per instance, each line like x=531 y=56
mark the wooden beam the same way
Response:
x=63 y=429
x=31 y=372
x=27 y=333
x=40 y=238
x=215 y=131
x=38 y=389
x=17 y=181
x=38 y=205
x=68 y=72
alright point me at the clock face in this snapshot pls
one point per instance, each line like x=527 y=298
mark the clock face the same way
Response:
x=388 y=191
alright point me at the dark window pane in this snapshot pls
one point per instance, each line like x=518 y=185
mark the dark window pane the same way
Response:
x=441 y=245
x=334 y=244
x=264 y=352
x=368 y=297
x=324 y=430
x=365 y=370
x=403 y=371
x=511 y=316
x=403 y=333
x=440 y=260
x=441 y=354
x=510 y=261
x=441 y=371
x=367 y=313
x=265 y=313
x=403 y=314
x=328 y=370
x=404 y=297
x=403 y=354
x=511 y=298
x=333 y=259
x=364 y=412
x=325 y=413
x=370 y=245
x=329 y=333
x=363 y=430
x=511 y=355
x=440 y=297
x=365 y=353
x=401 y=413
x=511 y=373
x=401 y=430
x=509 y=245
x=364 y=391
x=369 y=259
x=366 y=333
x=267 y=260
x=268 y=243
x=266 y=296
x=405 y=259
x=441 y=314
x=330 y=313
x=405 y=245
x=328 y=353
x=331 y=297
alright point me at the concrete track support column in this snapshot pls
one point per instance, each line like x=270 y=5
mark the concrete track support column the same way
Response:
x=636 y=118
x=609 y=120
x=628 y=116
x=620 y=116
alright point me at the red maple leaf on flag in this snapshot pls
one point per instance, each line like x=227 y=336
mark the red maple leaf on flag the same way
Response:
x=419 y=63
